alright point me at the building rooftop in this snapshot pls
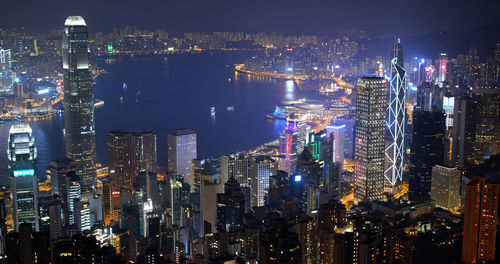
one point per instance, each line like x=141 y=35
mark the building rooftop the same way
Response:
x=20 y=128
x=75 y=21
x=181 y=132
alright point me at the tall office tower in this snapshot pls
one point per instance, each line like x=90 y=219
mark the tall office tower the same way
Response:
x=209 y=188
x=79 y=100
x=58 y=172
x=333 y=181
x=176 y=194
x=464 y=132
x=181 y=152
x=480 y=220
x=118 y=144
x=234 y=165
x=261 y=168
x=55 y=213
x=369 y=148
x=310 y=168
x=22 y=155
x=107 y=201
x=230 y=207
x=396 y=119
x=302 y=133
x=338 y=132
x=82 y=215
x=445 y=188
x=487 y=140
x=320 y=146
x=443 y=66
x=5 y=72
x=144 y=153
x=426 y=152
x=448 y=108
x=130 y=154
x=288 y=143
x=3 y=221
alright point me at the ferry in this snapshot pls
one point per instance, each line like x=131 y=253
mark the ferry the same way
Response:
x=212 y=110
x=230 y=108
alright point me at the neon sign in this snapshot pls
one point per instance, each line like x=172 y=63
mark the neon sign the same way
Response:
x=18 y=173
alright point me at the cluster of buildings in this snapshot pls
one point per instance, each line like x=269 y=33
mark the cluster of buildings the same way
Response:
x=424 y=177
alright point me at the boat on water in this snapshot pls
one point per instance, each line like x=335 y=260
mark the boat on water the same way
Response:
x=212 y=110
x=230 y=108
x=121 y=99
x=124 y=86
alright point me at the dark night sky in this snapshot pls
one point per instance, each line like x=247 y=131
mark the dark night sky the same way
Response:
x=386 y=17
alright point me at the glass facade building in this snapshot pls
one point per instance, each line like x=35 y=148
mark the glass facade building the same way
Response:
x=369 y=149
x=79 y=100
x=181 y=152
x=22 y=156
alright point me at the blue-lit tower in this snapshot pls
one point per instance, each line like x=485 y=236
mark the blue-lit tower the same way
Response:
x=396 y=118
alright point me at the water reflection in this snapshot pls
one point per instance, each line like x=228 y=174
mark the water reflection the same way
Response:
x=290 y=90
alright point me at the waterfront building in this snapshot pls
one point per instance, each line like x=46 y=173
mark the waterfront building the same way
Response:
x=261 y=168
x=22 y=155
x=181 y=152
x=445 y=188
x=6 y=83
x=79 y=100
x=480 y=220
x=396 y=119
x=369 y=140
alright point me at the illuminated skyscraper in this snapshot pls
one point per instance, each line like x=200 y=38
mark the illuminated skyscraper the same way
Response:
x=5 y=72
x=79 y=100
x=129 y=154
x=480 y=220
x=396 y=119
x=338 y=132
x=58 y=172
x=261 y=168
x=181 y=152
x=369 y=140
x=118 y=146
x=74 y=195
x=236 y=166
x=22 y=155
x=288 y=144
x=443 y=66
